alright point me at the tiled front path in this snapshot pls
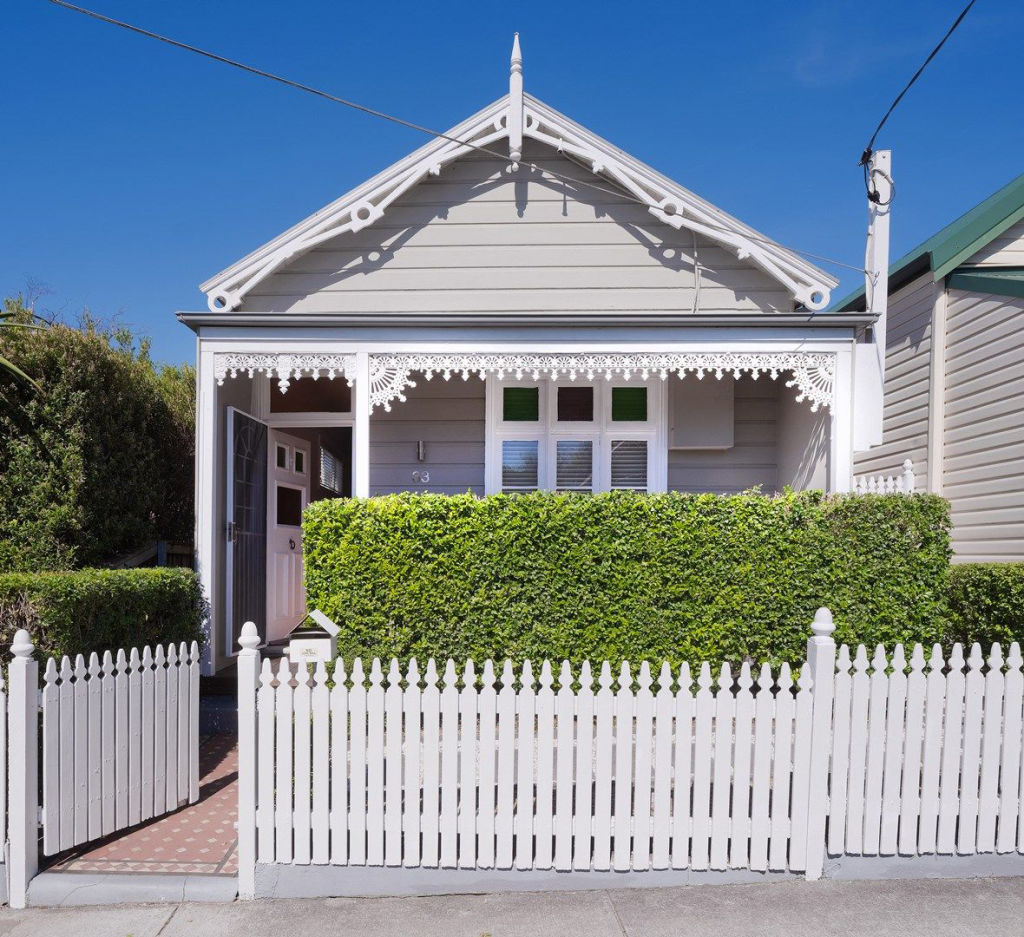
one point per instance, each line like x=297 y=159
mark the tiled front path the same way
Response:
x=197 y=840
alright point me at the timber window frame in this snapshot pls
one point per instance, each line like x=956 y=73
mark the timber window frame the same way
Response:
x=613 y=443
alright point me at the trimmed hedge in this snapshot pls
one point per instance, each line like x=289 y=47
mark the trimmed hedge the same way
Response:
x=100 y=609
x=986 y=603
x=621 y=575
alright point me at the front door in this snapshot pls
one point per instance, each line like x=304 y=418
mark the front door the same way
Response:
x=288 y=495
x=246 y=558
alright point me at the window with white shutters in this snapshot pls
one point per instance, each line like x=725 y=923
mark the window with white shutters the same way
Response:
x=576 y=436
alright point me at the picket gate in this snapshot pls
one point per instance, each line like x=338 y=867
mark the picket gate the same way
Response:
x=107 y=742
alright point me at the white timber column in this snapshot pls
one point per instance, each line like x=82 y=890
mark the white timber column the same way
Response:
x=361 y=429
x=842 y=429
x=207 y=526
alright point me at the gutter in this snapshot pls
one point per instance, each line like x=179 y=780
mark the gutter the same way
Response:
x=200 y=320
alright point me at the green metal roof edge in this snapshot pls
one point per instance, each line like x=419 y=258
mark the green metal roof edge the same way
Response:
x=999 y=281
x=953 y=244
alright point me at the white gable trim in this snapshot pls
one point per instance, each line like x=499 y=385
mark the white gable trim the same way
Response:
x=667 y=201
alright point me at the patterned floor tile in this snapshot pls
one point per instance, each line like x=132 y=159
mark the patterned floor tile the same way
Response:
x=197 y=839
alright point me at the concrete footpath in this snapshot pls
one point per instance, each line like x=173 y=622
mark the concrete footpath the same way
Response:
x=926 y=907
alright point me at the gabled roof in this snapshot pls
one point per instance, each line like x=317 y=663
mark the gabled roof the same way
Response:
x=514 y=117
x=943 y=252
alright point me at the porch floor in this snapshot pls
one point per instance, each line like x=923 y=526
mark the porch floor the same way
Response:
x=200 y=839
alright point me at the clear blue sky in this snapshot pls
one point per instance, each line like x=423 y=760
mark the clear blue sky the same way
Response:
x=130 y=171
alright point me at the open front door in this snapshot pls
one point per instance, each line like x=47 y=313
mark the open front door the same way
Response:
x=246 y=561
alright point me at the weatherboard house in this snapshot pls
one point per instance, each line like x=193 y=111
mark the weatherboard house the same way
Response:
x=516 y=305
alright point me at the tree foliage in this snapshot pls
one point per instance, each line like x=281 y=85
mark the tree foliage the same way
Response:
x=98 y=461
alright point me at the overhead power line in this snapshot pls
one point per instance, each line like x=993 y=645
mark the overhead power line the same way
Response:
x=869 y=149
x=411 y=125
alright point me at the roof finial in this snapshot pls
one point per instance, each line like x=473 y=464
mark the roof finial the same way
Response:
x=515 y=105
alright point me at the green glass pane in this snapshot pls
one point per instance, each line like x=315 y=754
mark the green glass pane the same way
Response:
x=521 y=404
x=629 y=404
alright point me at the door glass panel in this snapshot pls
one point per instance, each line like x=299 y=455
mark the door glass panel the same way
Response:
x=519 y=464
x=574 y=465
x=289 y=507
x=629 y=464
x=249 y=513
x=575 y=404
x=520 y=404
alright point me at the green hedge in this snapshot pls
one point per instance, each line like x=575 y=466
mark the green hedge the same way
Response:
x=673 y=576
x=986 y=603
x=100 y=609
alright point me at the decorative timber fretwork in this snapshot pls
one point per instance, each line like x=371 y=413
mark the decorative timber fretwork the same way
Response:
x=513 y=118
x=284 y=367
x=812 y=372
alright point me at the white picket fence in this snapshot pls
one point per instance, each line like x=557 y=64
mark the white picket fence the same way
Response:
x=120 y=741
x=927 y=758
x=485 y=771
x=466 y=775
x=119 y=745
x=886 y=484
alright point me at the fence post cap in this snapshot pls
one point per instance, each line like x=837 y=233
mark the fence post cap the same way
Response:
x=250 y=637
x=822 y=626
x=22 y=645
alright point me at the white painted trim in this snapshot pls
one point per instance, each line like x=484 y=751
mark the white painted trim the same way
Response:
x=937 y=391
x=310 y=420
x=841 y=429
x=361 y=427
x=206 y=508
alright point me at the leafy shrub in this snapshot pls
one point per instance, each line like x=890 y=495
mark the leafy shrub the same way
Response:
x=100 y=609
x=98 y=462
x=621 y=575
x=986 y=603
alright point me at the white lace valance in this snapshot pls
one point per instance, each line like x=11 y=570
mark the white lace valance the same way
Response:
x=391 y=374
x=813 y=372
x=284 y=367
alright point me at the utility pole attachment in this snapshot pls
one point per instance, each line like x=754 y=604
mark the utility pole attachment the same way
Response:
x=870 y=374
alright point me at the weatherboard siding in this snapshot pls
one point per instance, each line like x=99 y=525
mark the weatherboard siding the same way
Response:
x=478 y=238
x=907 y=368
x=1007 y=250
x=753 y=459
x=983 y=471
x=448 y=417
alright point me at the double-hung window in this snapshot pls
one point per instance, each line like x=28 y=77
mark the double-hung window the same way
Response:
x=576 y=436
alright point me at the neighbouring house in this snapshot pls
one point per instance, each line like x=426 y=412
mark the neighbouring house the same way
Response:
x=954 y=380
x=631 y=334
